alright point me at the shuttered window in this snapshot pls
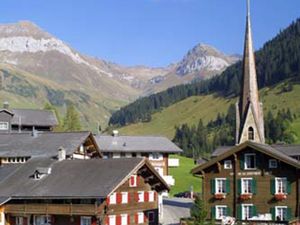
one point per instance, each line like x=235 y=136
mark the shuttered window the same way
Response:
x=280 y=185
x=281 y=213
x=247 y=186
x=85 y=220
x=220 y=186
x=140 y=196
x=124 y=197
x=151 y=196
x=124 y=219
x=246 y=211
x=112 y=199
x=139 y=218
x=220 y=211
x=112 y=220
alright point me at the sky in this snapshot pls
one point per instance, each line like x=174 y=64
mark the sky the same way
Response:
x=152 y=32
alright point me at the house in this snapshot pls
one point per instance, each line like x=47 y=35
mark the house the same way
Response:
x=86 y=192
x=26 y=120
x=20 y=147
x=156 y=149
x=252 y=180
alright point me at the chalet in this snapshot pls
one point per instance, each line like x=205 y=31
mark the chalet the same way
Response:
x=26 y=120
x=66 y=192
x=252 y=180
x=20 y=147
x=155 y=149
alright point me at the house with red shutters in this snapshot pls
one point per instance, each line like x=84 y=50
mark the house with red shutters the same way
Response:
x=48 y=191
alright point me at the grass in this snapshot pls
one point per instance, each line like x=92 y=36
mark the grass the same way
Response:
x=207 y=107
x=183 y=178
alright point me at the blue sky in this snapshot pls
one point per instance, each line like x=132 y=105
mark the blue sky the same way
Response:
x=152 y=32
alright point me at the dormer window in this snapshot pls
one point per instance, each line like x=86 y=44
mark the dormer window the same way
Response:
x=250 y=134
x=3 y=125
x=40 y=172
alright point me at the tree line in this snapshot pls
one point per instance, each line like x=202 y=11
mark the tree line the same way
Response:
x=200 y=140
x=278 y=60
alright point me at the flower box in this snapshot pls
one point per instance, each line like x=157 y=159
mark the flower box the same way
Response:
x=220 y=196
x=245 y=196
x=280 y=196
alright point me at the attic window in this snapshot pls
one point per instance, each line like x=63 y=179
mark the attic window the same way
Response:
x=40 y=172
x=3 y=125
x=251 y=134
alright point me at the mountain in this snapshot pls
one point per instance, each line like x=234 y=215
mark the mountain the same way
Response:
x=38 y=67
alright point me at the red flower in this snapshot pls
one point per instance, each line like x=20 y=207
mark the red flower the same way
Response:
x=220 y=196
x=245 y=196
x=280 y=196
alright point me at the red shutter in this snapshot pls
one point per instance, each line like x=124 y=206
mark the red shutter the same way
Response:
x=128 y=219
x=146 y=196
x=155 y=196
x=94 y=221
x=131 y=181
x=119 y=198
x=118 y=222
x=136 y=218
x=25 y=221
x=107 y=200
x=107 y=220
x=136 y=196
x=12 y=220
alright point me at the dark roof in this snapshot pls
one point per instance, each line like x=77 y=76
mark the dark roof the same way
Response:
x=136 y=144
x=6 y=111
x=92 y=178
x=44 y=144
x=34 y=117
x=290 y=150
x=264 y=148
x=8 y=169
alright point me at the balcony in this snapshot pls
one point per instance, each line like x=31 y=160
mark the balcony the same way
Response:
x=173 y=162
x=55 y=209
x=169 y=180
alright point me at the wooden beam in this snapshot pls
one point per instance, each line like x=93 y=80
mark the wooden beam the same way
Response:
x=149 y=178
x=219 y=166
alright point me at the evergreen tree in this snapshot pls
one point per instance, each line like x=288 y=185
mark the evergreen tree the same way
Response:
x=71 y=120
x=49 y=106
x=198 y=212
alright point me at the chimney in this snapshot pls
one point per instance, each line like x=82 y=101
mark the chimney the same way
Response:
x=61 y=154
x=34 y=132
x=115 y=133
x=5 y=105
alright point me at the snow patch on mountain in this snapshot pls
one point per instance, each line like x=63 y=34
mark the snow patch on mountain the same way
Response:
x=24 y=44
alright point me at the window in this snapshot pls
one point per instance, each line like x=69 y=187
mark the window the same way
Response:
x=272 y=163
x=85 y=220
x=221 y=210
x=247 y=185
x=220 y=186
x=42 y=220
x=227 y=164
x=251 y=134
x=280 y=185
x=247 y=211
x=140 y=196
x=133 y=181
x=151 y=216
x=124 y=219
x=281 y=213
x=3 y=125
x=19 y=220
x=113 y=198
x=124 y=197
x=250 y=161
x=151 y=196
x=123 y=154
x=133 y=155
x=140 y=217
x=156 y=156
x=112 y=219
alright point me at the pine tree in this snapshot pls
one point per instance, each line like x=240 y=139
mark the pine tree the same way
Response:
x=71 y=120
x=198 y=211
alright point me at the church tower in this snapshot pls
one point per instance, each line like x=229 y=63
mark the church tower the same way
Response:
x=249 y=111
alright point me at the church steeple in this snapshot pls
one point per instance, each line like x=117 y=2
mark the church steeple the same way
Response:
x=250 y=123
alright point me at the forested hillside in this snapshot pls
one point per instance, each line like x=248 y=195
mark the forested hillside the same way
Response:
x=278 y=60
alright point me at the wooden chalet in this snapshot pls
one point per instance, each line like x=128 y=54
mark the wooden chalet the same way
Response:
x=82 y=192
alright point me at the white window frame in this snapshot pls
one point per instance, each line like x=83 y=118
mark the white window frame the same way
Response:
x=245 y=161
x=135 y=181
x=112 y=220
x=3 y=125
x=219 y=209
x=19 y=220
x=44 y=217
x=227 y=164
x=279 y=212
x=140 y=217
x=124 y=222
x=280 y=185
x=156 y=156
x=244 y=182
x=151 y=196
x=113 y=198
x=244 y=206
x=273 y=163
x=85 y=220
x=141 y=196
x=217 y=182
x=153 y=216
x=124 y=197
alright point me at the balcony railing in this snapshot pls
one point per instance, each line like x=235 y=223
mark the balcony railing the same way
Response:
x=56 y=209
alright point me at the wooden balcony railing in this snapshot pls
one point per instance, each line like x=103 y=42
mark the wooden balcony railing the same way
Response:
x=54 y=209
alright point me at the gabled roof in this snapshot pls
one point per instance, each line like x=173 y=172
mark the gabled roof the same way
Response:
x=136 y=144
x=44 y=144
x=34 y=117
x=266 y=149
x=94 y=178
x=6 y=111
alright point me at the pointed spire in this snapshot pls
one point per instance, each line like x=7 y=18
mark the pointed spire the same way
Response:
x=249 y=96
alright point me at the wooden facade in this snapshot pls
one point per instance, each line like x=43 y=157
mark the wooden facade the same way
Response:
x=270 y=187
